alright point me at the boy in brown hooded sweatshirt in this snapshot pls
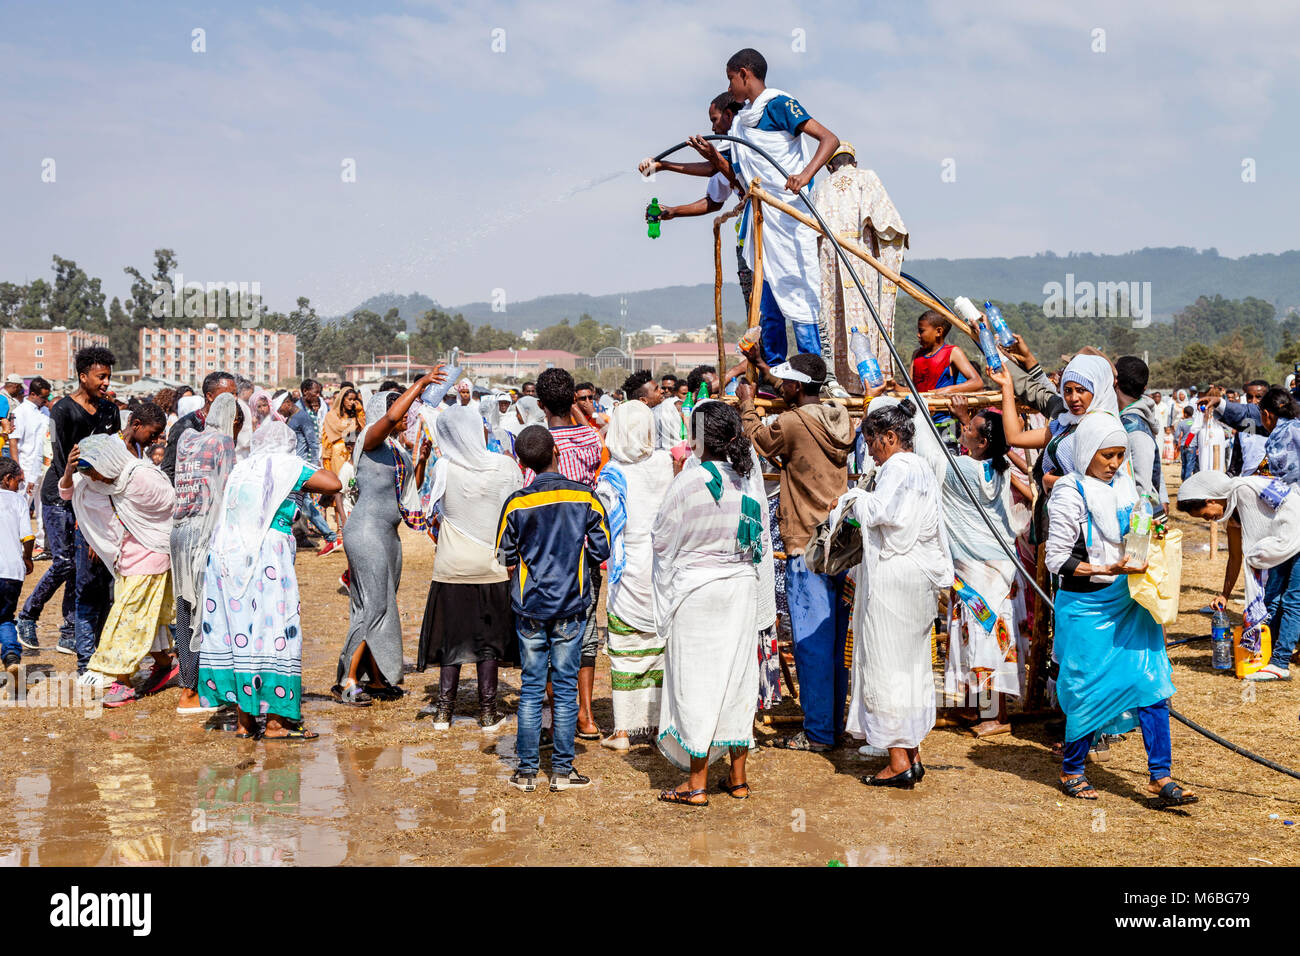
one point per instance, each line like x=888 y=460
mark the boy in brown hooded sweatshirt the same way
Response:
x=811 y=442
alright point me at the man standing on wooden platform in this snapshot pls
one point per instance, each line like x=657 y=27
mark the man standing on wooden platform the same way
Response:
x=855 y=205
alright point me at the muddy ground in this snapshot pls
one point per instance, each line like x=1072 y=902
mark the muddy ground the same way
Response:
x=142 y=785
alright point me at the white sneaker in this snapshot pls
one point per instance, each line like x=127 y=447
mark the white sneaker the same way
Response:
x=1269 y=673
x=92 y=679
x=616 y=743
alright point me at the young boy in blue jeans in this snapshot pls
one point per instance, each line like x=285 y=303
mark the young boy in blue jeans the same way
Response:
x=552 y=534
x=15 y=562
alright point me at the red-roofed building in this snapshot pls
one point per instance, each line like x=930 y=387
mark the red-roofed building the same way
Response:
x=682 y=356
x=517 y=363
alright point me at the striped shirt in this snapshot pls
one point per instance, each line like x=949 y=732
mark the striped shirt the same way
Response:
x=580 y=449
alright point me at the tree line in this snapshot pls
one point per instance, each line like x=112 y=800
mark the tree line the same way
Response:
x=1211 y=340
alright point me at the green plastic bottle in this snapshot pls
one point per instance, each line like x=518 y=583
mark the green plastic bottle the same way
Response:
x=652 y=213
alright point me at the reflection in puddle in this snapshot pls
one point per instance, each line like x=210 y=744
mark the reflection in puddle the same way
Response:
x=201 y=798
x=139 y=802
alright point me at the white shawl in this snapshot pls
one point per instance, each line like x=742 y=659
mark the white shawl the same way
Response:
x=104 y=511
x=257 y=487
x=1105 y=501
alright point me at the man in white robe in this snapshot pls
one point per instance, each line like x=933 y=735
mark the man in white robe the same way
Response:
x=856 y=207
x=777 y=123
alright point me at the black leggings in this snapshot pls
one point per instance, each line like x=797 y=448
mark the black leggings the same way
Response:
x=449 y=679
x=187 y=659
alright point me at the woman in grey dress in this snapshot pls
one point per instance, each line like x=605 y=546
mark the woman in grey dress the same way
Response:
x=370 y=665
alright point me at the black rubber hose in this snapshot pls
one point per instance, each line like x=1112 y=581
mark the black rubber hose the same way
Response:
x=911 y=387
x=885 y=337
x=1188 y=640
x=1231 y=746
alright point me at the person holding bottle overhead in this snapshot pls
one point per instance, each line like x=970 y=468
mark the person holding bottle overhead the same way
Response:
x=1114 y=671
x=370 y=663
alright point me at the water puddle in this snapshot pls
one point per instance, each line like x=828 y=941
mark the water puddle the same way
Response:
x=137 y=800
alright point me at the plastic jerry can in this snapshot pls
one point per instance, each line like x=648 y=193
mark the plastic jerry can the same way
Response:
x=1243 y=661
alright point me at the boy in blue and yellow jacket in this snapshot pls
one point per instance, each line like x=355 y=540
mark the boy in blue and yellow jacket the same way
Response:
x=551 y=534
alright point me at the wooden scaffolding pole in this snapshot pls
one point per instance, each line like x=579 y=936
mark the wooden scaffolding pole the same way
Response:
x=934 y=402
x=717 y=281
x=756 y=295
x=1036 y=668
x=854 y=248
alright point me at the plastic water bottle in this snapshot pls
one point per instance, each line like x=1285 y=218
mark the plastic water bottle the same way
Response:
x=1137 y=543
x=989 y=346
x=965 y=308
x=1221 y=640
x=868 y=367
x=434 y=394
x=1006 y=338
x=652 y=213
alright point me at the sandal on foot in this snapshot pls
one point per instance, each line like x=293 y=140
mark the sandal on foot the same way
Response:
x=1172 y=795
x=159 y=679
x=240 y=735
x=800 y=741
x=384 y=692
x=685 y=798
x=295 y=735
x=1077 y=786
x=354 y=696
x=583 y=735
x=733 y=790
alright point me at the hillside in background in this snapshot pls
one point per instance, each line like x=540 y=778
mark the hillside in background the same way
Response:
x=1178 y=276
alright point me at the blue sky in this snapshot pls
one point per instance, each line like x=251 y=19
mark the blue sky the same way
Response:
x=478 y=170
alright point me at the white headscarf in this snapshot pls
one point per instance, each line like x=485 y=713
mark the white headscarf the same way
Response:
x=482 y=479
x=631 y=434
x=1097 y=375
x=459 y=434
x=190 y=403
x=490 y=410
x=254 y=492
x=924 y=444
x=530 y=411
x=1098 y=430
x=244 y=443
x=377 y=406
x=104 y=510
x=377 y=411
x=207 y=484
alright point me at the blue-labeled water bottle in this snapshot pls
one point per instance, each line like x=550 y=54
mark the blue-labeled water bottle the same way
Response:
x=1006 y=338
x=865 y=360
x=989 y=346
x=1221 y=640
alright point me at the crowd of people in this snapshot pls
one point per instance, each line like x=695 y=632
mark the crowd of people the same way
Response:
x=707 y=518
x=725 y=517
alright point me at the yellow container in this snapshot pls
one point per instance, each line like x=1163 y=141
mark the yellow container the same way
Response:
x=1243 y=661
